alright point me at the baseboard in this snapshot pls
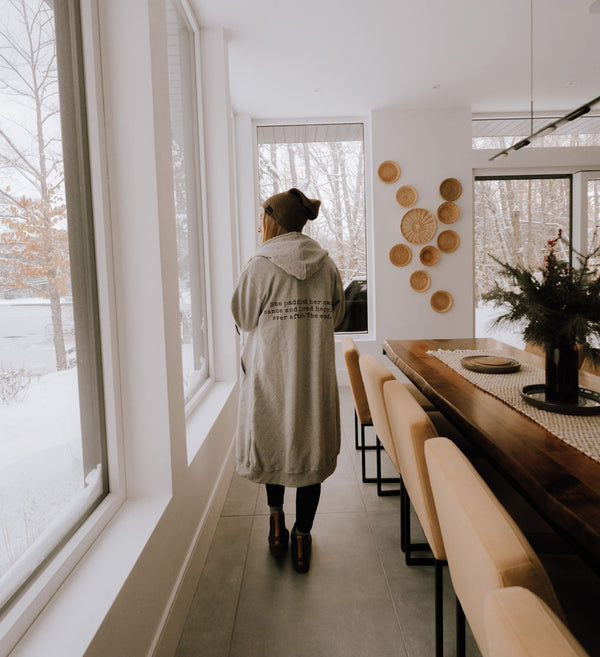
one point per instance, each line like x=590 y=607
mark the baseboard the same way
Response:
x=169 y=631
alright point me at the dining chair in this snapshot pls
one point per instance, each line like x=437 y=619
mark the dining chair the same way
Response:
x=374 y=375
x=519 y=624
x=485 y=549
x=362 y=413
x=411 y=428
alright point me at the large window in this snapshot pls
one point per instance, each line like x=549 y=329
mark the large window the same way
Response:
x=325 y=161
x=514 y=219
x=52 y=438
x=185 y=144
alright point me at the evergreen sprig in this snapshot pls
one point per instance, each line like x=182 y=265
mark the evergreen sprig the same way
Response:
x=557 y=304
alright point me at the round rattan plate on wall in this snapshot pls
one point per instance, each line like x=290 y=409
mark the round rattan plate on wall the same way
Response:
x=400 y=255
x=407 y=196
x=450 y=189
x=448 y=241
x=448 y=212
x=420 y=280
x=441 y=301
x=429 y=255
x=418 y=226
x=389 y=171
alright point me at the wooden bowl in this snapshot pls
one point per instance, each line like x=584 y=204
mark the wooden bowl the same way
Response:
x=429 y=255
x=441 y=301
x=448 y=241
x=418 y=226
x=450 y=189
x=400 y=255
x=420 y=280
x=407 y=196
x=448 y=212
x=389 y=171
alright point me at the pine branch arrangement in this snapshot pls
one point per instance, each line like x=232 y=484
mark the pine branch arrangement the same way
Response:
x=557 y=304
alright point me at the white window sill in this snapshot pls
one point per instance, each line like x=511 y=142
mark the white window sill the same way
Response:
x=88 y=593
x=202 y=413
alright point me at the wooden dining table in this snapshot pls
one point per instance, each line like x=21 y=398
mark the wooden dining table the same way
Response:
x=559 y=481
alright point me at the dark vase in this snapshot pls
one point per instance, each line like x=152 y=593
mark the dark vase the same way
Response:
x=562 y=373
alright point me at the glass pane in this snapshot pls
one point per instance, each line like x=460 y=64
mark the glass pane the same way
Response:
x=593 y=223
x=503 y=133
x=514 y=219
x=51 y=474
x=184 y=143
x=334 y=172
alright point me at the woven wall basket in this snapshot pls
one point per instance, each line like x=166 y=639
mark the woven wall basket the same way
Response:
x=450 y=189
x=389 y=171
x=429 y=255
x=448 y=212
x=448 y=241
x=418 y=226
x=420 y=280
x=400 y=255
x=441 y=301
x=407 y=196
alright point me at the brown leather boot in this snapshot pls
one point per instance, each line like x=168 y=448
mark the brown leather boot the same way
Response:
x=278 y=534
x=301 y=549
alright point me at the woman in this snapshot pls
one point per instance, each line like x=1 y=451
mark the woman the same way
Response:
x=288 y=300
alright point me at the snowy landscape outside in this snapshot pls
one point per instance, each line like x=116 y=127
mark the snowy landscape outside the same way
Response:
x=42 y=483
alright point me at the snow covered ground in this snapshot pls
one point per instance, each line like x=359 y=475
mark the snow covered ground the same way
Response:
x=485 y=314
x=40 y=437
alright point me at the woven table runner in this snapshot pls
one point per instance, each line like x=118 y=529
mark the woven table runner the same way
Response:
x=581 y=432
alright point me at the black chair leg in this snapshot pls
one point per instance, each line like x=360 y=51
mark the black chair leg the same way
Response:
x=460 y=630
x=439 y=608
x=384 y=480
x=406 y=544
x=356 y=444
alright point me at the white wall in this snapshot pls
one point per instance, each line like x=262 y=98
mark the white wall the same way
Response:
x=429 y=146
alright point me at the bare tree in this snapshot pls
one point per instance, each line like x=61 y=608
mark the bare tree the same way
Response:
x=33 y=237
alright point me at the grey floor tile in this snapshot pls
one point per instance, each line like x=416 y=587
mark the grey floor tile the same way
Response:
x=359 y=598
x=341 y=607
x=412 y=589
x=241 y=497
x=211 y=618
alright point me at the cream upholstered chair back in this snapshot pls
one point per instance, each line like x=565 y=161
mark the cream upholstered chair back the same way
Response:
x=519 y=624
x=351 y=356
x=485 y=549
x=374 y=375
x=410 y=428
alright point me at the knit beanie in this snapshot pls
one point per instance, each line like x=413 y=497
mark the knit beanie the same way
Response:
x=291 y=209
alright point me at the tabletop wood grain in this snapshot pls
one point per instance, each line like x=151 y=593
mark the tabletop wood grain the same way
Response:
x=561 y=482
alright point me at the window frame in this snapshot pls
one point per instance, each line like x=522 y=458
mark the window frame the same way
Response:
x=370 y=333
x=198 y=238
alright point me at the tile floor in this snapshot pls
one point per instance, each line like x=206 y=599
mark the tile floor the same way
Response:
x=358 y=599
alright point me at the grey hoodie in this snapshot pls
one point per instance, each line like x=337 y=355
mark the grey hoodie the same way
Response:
x=287 y=301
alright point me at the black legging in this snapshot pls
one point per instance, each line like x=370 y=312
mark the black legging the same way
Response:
x=307 y=500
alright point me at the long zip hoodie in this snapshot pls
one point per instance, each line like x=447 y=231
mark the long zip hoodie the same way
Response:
x=287 y=302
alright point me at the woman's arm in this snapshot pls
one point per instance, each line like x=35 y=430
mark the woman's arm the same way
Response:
x=246 y=302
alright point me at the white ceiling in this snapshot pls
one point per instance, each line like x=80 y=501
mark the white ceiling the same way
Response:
x=328 y=58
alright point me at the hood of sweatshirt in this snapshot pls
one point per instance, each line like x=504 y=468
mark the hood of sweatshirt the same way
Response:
x=295 y=253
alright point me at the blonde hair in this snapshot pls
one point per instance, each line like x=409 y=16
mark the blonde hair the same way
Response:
x=270 y=228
